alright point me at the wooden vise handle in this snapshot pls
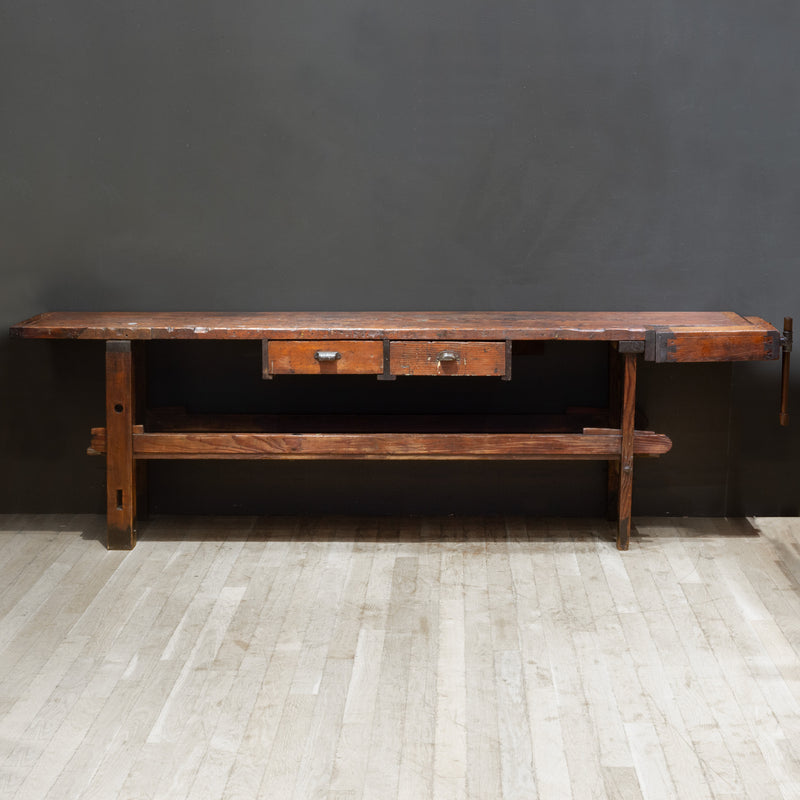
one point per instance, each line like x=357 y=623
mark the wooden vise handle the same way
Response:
x=786 y=346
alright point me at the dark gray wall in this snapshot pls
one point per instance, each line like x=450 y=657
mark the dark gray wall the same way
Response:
x=353 y=155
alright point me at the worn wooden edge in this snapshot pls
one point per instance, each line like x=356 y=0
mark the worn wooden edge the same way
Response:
x=522 y=333
x=483 y=326
x=21 y=329
x=596 y=445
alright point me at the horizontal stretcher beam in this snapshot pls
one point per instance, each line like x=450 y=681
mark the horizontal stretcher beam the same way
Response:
x=594 y=443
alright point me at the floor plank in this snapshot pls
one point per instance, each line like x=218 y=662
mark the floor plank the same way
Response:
x=349 y=658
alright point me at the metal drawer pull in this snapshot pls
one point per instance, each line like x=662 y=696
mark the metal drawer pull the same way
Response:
x=447 y=355
x=327 y=355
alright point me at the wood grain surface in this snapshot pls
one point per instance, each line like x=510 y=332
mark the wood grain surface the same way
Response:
x=627 y=450
x=300 y=357
x=120 y=468
x=595 y=444
x=694 y=343
x=478 y=326
x=424 y=358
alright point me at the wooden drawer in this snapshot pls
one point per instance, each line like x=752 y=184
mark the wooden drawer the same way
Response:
x=323 y=357
x=447 y=358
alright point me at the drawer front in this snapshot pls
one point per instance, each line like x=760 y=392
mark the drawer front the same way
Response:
x=447 y=358
x=324 y=357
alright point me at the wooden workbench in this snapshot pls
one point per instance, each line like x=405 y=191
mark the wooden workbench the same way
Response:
x=390 y=345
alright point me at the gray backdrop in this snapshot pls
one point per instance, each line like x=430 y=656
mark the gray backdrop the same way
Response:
x=364 y=154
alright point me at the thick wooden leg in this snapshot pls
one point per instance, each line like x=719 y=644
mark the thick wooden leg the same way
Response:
x=626 y=449
x=120 y=467
x=140 y=412
x=614 y=408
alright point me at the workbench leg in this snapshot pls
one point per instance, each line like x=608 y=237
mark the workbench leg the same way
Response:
x=120 y=467
x=614 y=408
x=627 y=419
x=140 y=413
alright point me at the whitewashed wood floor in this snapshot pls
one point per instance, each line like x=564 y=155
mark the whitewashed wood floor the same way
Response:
x=400 y=658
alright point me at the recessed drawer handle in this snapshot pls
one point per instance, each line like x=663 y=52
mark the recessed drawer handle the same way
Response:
x=447 y=355
x=327 y=355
